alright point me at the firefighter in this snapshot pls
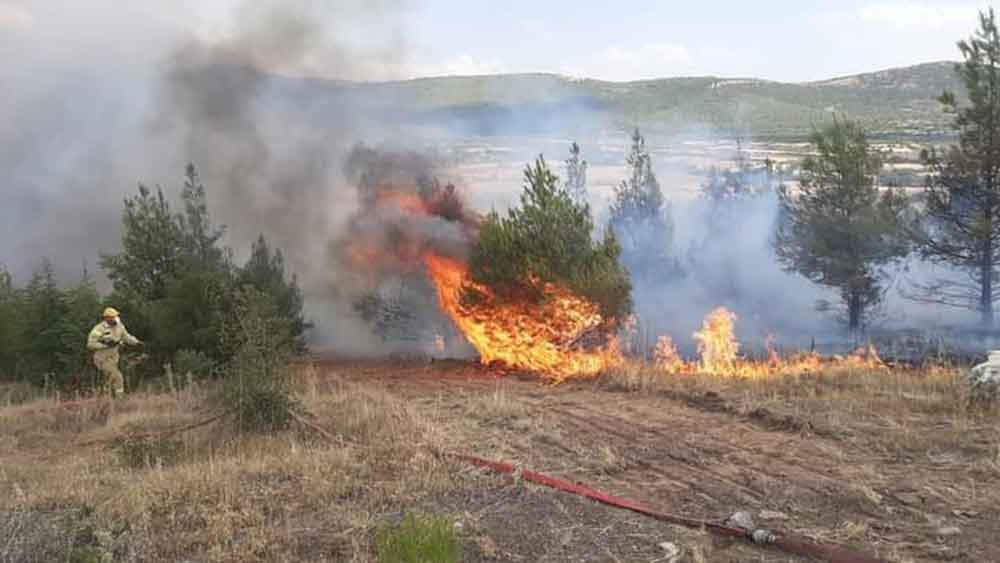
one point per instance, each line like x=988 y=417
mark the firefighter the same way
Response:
x=103 y=341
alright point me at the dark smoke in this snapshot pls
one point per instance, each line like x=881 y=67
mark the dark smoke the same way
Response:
x=82 y=121
x=404 y=214
x=270 y=147
x=273 y=152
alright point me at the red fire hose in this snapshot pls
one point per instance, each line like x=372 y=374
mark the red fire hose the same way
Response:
x=784 y=542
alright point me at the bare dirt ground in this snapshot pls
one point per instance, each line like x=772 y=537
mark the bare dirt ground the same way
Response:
x=888 y=462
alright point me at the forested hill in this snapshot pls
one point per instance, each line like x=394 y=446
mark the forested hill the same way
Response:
x=899 y=101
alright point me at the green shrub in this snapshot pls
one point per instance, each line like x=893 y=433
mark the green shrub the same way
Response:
x=195 y=362
x=419 y=539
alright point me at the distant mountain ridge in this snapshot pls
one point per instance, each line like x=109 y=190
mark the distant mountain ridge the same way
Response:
x=897 y=102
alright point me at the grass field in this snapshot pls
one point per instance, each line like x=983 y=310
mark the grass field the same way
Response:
x=892 y=462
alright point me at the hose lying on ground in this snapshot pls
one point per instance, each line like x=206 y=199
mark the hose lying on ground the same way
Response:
x=784 y=542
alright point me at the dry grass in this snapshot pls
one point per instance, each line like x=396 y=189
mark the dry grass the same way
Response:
x=855 y=451
x=904 y=411
x=497 y=407
x=17 y=393
x=210 y=494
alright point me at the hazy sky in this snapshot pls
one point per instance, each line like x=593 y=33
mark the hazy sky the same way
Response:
x=792 y=40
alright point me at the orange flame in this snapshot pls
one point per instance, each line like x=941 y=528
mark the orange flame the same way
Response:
x=719 y=351
x=716 y=342
x=540 y=337
x=666 y=357
x=535 y=337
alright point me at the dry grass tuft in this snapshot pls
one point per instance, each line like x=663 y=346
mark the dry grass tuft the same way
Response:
x=633 y=377
x=497 y=407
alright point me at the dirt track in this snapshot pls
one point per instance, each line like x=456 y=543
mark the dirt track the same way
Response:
x=698 y=455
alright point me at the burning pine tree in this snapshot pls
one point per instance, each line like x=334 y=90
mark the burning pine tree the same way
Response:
x=531 y=290
x=538 y=285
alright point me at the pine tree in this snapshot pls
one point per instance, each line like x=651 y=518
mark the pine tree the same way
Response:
x=265 y=271
x=83 y=303
x=152 y=248
x=639 y=198
x=42 y=327
x=200 y=237
x=548 y=238
x=576 y=174
x=191 y=315
x=962 y=218
x=8 y=326
x=641 y=217
x=838 y=229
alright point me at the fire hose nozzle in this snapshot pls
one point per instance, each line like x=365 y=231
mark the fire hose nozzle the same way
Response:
x=744 y=521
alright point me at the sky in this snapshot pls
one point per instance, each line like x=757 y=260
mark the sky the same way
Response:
x=786 y=40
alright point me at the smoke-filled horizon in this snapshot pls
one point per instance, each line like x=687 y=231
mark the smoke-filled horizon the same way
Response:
x=279 y=158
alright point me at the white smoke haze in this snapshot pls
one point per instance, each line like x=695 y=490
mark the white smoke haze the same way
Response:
x=14 y=18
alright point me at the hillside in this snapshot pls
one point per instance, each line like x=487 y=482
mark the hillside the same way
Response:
x=894 y=102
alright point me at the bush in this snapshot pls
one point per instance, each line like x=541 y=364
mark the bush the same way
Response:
x=260 y=404
x=195 y=362
x=419 y=539
x=257 y=387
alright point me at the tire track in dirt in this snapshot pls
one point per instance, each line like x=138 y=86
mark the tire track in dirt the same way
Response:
x=420 y=379
x=626 y=429
x=775 y=483
x=767 y=488
x=587 y=425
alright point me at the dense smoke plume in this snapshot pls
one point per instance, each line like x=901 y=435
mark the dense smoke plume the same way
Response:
x=404 y=215
x=279 y=161
x=83 y=121
x=270 y=147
